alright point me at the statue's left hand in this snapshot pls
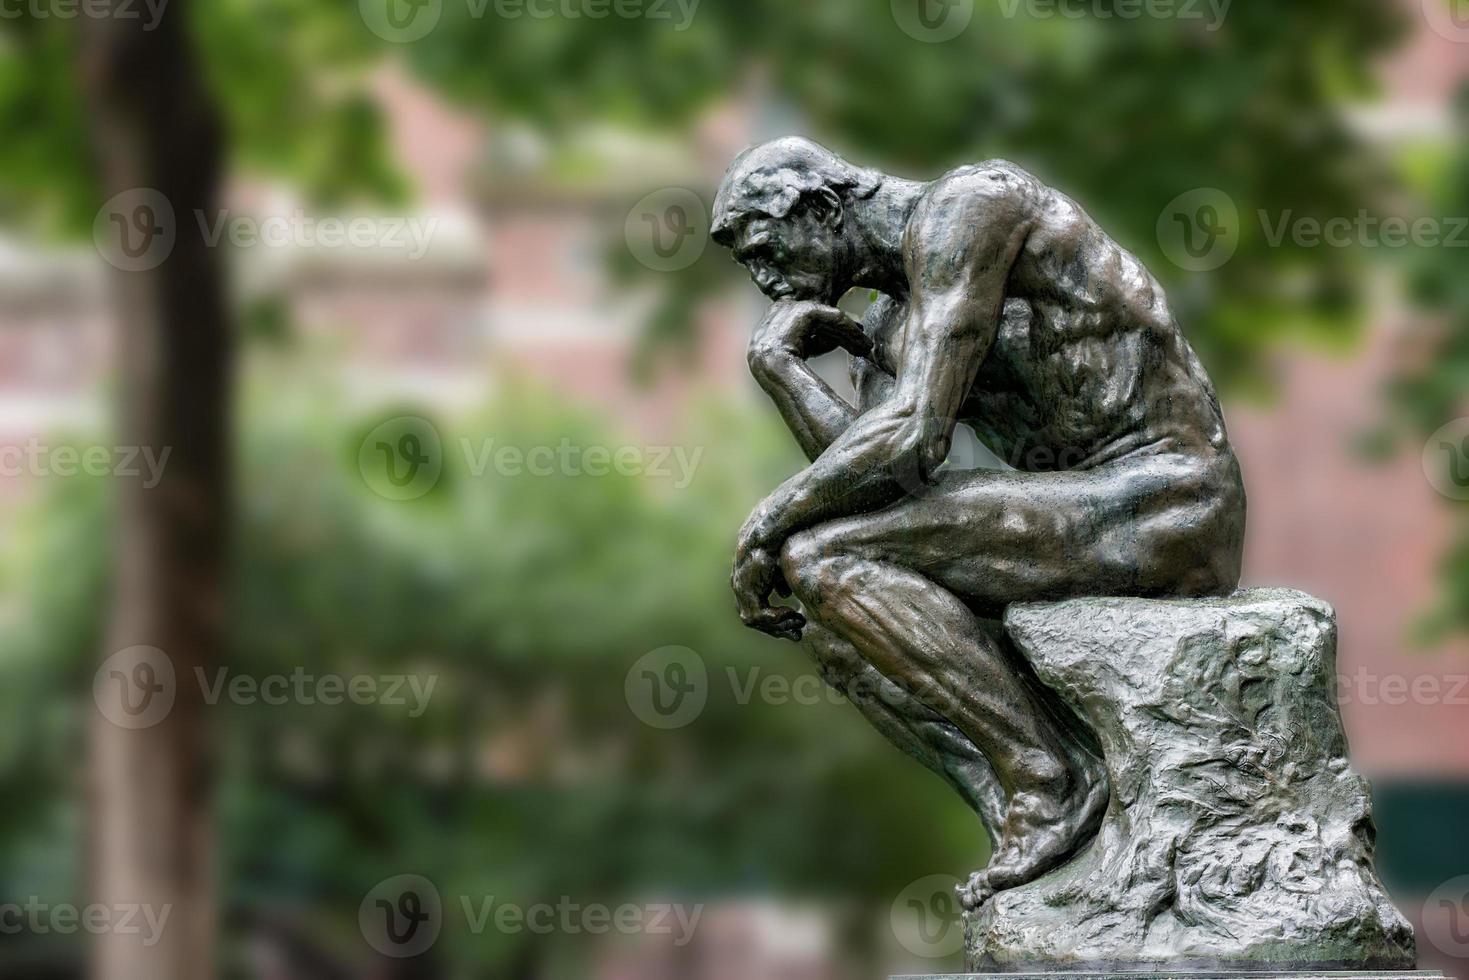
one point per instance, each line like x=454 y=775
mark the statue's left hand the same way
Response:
x=756 y=574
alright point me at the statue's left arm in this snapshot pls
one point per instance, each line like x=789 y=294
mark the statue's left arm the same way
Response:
x=959 y=249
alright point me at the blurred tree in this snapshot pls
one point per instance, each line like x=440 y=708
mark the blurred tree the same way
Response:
x=153 y=125
x=115 y=104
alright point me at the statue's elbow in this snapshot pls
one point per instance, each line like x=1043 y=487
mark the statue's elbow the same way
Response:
x=932 y=452
x=920 y=449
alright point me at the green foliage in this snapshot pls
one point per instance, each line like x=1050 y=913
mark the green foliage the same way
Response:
x=291 y=79
x=529 y=598
x=290 y=76
x=46 y=181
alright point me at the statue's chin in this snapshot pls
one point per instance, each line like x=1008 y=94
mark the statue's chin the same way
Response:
x=812 y=292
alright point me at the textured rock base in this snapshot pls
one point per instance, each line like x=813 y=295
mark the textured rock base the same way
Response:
x=1238 y=838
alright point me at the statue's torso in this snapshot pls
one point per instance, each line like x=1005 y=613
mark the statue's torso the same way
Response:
x=1088 y=364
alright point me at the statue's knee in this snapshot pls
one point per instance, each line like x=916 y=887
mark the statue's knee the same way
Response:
x=805 y=561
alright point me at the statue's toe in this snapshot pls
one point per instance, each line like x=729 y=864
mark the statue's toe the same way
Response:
x=975 y=892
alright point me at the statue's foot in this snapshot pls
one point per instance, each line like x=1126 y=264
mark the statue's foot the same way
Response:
x=975 y=892
x=1041 y=832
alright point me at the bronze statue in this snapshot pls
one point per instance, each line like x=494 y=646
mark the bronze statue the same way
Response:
x=1003 y=306
x=1223 y=817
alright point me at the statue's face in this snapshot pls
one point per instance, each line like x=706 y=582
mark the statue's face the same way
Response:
x=794 y=257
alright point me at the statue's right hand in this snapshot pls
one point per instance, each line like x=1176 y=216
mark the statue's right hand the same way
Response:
x=802 y=329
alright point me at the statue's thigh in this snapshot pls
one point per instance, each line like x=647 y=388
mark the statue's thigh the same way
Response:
x=992 y=537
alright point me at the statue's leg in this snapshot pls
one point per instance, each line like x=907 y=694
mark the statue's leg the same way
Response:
x=901 y=585
x=927 y=641
x=910 y=724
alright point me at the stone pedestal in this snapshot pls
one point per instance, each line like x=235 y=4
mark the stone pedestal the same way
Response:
x=1306 y=975
x=1238 y=838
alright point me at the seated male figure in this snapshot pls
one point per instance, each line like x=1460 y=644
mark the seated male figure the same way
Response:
x=1003 y=306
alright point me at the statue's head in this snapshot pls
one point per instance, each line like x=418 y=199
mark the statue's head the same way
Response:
x=783 y=210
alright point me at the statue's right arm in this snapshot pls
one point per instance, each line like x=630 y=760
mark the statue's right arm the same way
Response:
x=815 y=414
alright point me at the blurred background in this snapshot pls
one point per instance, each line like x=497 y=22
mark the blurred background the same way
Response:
x=375 y=428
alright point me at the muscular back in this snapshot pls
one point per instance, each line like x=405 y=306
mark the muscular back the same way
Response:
x=1088 y=364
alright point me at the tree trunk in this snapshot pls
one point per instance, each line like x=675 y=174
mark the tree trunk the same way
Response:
x=150 y=840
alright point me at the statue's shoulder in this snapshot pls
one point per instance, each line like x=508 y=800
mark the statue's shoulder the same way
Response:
x=972 y=195
x=985 y=181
